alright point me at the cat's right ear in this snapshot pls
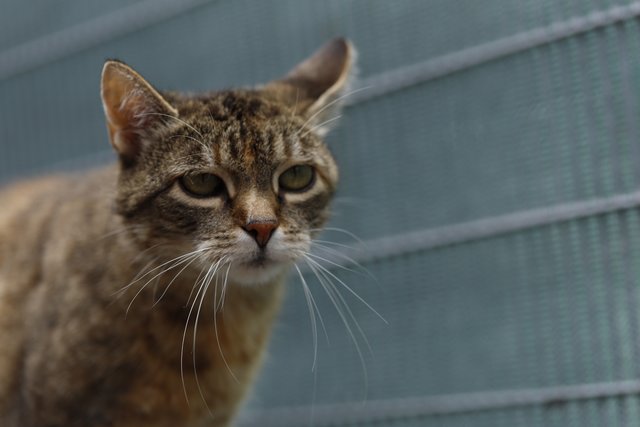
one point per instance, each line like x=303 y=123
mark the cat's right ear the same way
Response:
x=132 y=108
x=316 y=87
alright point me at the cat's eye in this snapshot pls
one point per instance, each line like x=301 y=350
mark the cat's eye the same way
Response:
x=203 y=185
x=297 y=178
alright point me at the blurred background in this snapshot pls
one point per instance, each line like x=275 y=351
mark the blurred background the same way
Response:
x=490 y=169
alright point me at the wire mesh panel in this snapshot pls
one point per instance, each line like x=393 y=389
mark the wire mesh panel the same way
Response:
x=489 y=163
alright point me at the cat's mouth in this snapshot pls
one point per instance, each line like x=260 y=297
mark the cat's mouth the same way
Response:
x=260 y=264
x=257 y=270
x=258 y=261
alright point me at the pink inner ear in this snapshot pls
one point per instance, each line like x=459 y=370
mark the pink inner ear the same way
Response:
x=126 y=104
x=128 y=114
x=131 y=106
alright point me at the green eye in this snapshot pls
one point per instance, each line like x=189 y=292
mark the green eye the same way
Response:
x=297 y=178
x=202 y=185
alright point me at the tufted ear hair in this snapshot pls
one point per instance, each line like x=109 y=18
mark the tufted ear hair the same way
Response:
x=132 y=108
x=314 y=87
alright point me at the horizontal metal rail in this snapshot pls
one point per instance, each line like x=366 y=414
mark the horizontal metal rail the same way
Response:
x=344 y=414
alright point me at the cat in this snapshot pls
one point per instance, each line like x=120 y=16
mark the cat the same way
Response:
x=143 y=293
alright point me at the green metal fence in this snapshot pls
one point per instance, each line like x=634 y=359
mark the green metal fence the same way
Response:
x=491 y=168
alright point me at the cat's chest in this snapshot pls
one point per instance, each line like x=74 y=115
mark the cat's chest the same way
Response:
x=199 y=361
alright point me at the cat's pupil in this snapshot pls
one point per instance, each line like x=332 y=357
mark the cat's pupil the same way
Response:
x=202 y=185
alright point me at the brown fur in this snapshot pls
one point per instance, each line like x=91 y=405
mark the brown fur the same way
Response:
x=90 y=333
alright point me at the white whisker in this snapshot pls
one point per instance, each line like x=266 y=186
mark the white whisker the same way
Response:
x=195 y=334
x=331 y=293
x=354 y=293
x=335 y=264
x=189 y=156
x=171 y=267
x=178 y=258
x=205 y=146
x=335 y=253
x=224 y=288
x=319 y=125
x=346 y=306
x=340 y=230
x=166 y=289
x=312 y=317
x=194 y=287
x=329 y=242
x=338 y=99
x=184 y=333
x=171 y=117
x=215 y=322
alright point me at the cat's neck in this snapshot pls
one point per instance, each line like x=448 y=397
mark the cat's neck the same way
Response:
x=211 y=339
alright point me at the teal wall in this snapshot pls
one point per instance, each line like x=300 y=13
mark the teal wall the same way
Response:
x=491 y=169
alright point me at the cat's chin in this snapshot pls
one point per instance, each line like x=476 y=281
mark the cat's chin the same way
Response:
x=257 y=273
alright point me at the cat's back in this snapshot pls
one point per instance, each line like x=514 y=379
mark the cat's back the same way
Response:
x=26 y=208
x=38 y=218
x=19 y=197
x=22 y=217
x=32 y=210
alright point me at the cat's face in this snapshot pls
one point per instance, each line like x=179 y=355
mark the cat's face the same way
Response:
x=242 y=178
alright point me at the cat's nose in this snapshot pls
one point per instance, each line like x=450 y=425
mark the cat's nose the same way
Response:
x=261 y=230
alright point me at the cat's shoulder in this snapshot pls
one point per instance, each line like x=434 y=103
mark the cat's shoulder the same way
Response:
x=19 y=196
x=34 y=196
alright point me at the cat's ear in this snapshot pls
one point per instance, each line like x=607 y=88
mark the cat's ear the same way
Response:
x=314 y=88
x=132 y=108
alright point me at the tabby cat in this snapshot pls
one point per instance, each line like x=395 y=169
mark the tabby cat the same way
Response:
x=142 y=294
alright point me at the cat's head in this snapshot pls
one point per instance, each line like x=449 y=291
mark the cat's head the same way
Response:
x=239 y=177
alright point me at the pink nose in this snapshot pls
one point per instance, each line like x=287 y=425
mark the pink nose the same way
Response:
x=261 y=230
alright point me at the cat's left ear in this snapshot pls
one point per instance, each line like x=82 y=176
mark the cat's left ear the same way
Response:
x=315 y=88
x=133 y=108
